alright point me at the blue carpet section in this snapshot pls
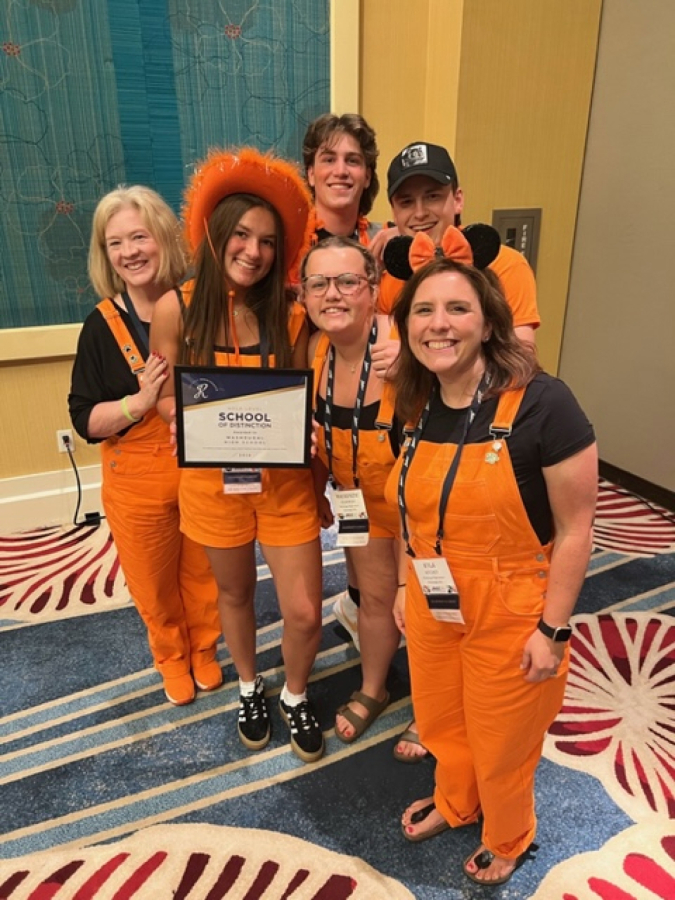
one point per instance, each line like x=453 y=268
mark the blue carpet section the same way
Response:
x=91 y=751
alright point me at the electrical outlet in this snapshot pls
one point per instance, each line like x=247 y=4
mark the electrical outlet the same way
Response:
x=64 y=439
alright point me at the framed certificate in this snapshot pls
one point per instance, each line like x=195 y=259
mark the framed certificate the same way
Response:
x=246 y=418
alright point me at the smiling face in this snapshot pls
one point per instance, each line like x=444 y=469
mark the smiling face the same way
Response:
x=339 y=316
x=133 y=252
x=250 y=252
x=422 y=204
x=339 y=174
x=446 y=327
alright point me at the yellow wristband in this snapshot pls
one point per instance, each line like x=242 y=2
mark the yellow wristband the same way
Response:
x=125 y=410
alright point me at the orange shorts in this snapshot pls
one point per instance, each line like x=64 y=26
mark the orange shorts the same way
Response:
x=284 y=514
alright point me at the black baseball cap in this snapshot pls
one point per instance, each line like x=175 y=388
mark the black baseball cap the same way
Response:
x=420 y=159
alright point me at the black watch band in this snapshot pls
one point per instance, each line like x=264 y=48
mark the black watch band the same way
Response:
x=560 y=635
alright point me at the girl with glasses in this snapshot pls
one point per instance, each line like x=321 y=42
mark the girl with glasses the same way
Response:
x=357 y=447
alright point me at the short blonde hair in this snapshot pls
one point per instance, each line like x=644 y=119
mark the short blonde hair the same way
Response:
x=161 y=222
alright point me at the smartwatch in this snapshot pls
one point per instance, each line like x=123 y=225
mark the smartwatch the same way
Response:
x=559 y=635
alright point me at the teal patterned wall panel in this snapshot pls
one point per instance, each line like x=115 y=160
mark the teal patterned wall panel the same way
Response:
x=94 y=93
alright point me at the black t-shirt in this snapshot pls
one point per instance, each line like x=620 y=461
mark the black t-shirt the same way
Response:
x=100 y=371
x=550 y=427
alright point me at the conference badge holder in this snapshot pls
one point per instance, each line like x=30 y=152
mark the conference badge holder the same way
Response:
x=438 y=585
x=242 y=481
x=350 y=512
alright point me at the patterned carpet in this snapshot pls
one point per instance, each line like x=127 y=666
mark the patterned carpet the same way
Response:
x=107 y=791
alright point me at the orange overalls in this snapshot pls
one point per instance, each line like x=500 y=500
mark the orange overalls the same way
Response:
x=168 y=575
x=283 y=514
x=375 y=458
x=476 y=713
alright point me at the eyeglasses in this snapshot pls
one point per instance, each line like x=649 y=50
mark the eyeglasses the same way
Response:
x=347 y=284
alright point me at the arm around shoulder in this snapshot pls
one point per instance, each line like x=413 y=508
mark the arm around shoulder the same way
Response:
x=166 y=332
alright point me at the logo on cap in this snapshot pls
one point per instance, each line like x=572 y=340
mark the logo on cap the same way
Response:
x=414 y=155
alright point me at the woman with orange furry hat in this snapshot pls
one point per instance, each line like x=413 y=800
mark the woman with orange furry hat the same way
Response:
x=136 y=254
x=247 y=222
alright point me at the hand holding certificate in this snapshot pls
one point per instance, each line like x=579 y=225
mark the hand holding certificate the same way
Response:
x=243 y=417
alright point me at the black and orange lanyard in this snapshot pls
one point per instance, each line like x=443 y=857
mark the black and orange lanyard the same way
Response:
x=358 y=405
x=449 y=480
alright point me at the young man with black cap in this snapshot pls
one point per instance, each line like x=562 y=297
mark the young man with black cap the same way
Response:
x=424 y=192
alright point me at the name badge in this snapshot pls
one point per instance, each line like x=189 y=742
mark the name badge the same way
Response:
x=438 y=585
x=242 y=481
x=350 y=511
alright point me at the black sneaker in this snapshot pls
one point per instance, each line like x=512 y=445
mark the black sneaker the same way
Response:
x=306 y=735
x=254 y=721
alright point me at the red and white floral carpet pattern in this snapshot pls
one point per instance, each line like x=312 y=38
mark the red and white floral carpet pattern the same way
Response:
x=617 y=724
x=625 y=523
x=189 y=861
x=638 y=864
x=58 y=572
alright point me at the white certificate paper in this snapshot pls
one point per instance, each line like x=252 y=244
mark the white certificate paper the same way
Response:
x=243 y=417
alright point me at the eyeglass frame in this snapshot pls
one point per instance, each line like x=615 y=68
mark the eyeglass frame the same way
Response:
x=334 y=279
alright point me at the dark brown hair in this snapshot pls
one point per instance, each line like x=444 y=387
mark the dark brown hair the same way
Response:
x=510 y=363
x=327 y=129
x=268 y=299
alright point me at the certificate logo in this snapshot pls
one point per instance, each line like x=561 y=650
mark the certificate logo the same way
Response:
x=204 y=390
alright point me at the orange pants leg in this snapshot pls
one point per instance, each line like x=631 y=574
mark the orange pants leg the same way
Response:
x=142 y=512
x=481 y=720
x=199 y=593
x=506 y=720
x=438 y=702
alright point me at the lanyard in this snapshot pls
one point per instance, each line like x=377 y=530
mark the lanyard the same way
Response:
x=138 y=325
x=452 y=471
x=358 y=405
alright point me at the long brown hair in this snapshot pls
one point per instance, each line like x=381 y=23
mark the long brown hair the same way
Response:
x=510 y=363
x=268 y=299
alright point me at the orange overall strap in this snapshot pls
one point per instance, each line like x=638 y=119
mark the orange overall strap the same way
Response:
x=385 y=414
x=122 y=335
x=506 y=412
x=319 y=361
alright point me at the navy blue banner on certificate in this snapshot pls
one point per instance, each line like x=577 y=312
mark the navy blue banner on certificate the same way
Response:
x=227 y=416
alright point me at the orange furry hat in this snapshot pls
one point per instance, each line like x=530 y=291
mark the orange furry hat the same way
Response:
x=245 y=170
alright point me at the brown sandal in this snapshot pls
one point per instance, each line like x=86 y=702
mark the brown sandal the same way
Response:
x=482 y=859
x=359 y=723
x=412 y=737
x=419 y=816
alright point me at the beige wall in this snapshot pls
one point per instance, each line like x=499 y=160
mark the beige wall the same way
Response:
x=33 y=400
x=409 y=76
x=524 y=96
x=618 y=351
x=506 y=87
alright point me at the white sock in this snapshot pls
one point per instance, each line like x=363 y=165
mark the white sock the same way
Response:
x=292 y=699
x=246 y=688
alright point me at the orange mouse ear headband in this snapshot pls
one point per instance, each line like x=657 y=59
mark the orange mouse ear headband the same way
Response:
x=477 y=245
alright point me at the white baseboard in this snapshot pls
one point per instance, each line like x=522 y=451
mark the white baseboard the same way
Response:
x=49 y=498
